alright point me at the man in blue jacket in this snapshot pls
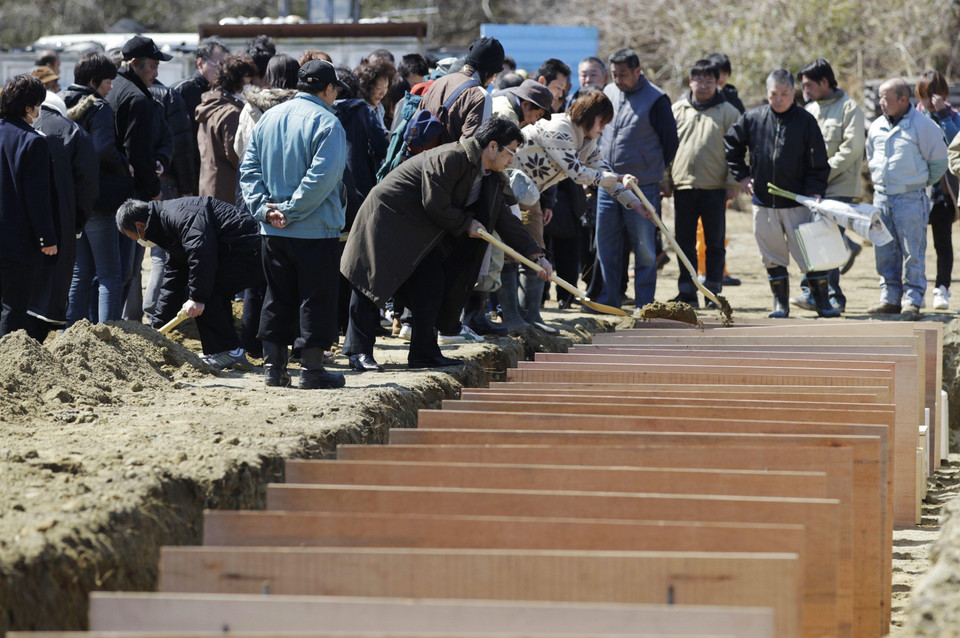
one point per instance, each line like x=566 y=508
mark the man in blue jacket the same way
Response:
x=640 y=141
x=906 y=153
x=291 y=181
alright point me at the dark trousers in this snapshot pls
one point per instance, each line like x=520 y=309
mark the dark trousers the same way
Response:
x=424 y=293
x=16 y=285
x=302 y=282
x=710 y=205
x=565 y=252
x=235 y=272
x=361 y=334
x=941 y=220
x=250 y=322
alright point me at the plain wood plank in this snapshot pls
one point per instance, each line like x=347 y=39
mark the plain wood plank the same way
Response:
x=340 y=634
x=691 y=397
x=870 y=462
x=694 y=578
x=820 y=516
x=929 y=337
x=156 y=613
x=548 y=373
x=870 y=601
x=579 y=478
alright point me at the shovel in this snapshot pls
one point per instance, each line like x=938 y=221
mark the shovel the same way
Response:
x=580 y=295
x=724 y=306
x=173 y=323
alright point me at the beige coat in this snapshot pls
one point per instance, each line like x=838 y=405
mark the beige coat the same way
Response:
x=700 y=161
x=844 y=134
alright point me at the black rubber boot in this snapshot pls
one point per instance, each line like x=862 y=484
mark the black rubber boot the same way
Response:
x=312 y=374
x=275 y=364
x=509 y=298
x=780 y=285
x=475 y=316
x=821 y=294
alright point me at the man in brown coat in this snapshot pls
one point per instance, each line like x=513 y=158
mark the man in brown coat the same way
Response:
x=417 y=233
x=483 y=61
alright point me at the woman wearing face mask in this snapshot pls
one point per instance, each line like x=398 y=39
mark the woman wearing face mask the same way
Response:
x=218 y=117
x=26 y=205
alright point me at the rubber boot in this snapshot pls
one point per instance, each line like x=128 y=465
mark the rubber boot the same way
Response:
x=509 y=300
x=531 y=297
x=312 y=374
x=275 y=364
x=819 y=290
x=780 y=285
x=475 y=316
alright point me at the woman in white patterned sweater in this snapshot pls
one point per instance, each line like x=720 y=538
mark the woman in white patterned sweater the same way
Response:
x=566 y=145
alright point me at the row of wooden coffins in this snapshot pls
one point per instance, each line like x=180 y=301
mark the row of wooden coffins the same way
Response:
x=661 y=481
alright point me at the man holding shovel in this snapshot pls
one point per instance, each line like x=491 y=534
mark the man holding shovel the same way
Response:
x=213 y=252
x=418 y=230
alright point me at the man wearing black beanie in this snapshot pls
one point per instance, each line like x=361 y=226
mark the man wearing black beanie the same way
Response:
x=472 y=105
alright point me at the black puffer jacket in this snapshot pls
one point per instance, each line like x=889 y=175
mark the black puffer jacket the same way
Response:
x=786 y=150
x=174 y=110
x=191 y=89
x=195 y=231
x=95 y=116
x=136 y=113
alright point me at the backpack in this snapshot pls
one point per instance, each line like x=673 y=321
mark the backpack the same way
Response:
x=419 y=129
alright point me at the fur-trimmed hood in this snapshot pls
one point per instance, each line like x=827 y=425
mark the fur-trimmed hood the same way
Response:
x=265 y=99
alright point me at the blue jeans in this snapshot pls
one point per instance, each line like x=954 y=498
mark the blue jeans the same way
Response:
x=614 y=222
x=98 y=255
x=901 y=263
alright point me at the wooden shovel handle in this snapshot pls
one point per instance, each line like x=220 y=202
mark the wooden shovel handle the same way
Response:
x=579 y=294
x=173 y=323
x=673 y=242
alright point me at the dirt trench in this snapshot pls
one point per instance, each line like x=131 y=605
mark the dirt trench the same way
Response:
x=113 y=440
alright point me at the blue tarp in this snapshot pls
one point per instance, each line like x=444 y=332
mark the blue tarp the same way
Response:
x=531 y=44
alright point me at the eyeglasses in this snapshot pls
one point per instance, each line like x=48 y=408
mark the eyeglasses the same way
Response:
x=512 y=152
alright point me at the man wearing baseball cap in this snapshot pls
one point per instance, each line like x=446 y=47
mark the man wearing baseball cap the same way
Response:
x=134 y=108
x=291 y=177
x=473 y=105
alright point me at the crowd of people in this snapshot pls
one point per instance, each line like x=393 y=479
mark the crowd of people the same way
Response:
x=333 y=200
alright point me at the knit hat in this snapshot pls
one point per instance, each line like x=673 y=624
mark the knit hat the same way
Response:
x=486 y=55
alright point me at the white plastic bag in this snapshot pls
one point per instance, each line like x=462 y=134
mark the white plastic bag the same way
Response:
x=822 y=244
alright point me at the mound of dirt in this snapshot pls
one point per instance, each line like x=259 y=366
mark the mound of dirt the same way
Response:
x=675 y=310
x=28 y=374
x=88 y=364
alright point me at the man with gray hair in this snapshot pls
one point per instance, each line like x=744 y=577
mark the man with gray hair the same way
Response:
x=906 y=153
x=786 y=149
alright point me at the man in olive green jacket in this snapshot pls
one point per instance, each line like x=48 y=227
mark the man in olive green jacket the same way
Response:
x=698 y=178
x=844 y=133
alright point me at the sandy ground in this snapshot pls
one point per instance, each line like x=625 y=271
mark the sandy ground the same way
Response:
x=112 y=444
